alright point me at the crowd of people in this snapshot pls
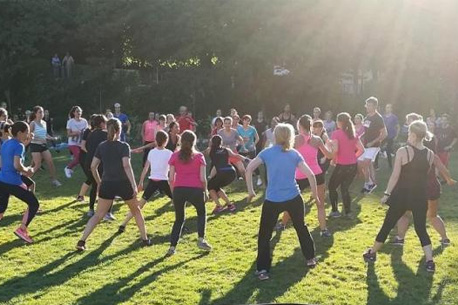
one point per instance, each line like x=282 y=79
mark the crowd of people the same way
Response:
x=286 y=155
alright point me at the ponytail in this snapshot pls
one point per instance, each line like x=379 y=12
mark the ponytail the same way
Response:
x=113 y=128
x=347 y=125
x=188 y=140
x=305 y=122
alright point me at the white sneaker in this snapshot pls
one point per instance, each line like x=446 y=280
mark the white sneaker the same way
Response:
x=56 y=183
x=259 y=183
x=68 y=172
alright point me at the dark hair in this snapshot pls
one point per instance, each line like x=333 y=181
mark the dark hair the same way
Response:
x=35 y=110
x=305 y=122
x=216 y=141
x=347 y=124
x=71 y=114
x=19 y=127
x=162 y=117
x=113 y=126
x=372 y=100
x=188 y=140
x=91 y=121
x=228 y=118
x=5 y=127
x=98 y=120
x=172 y=124
x=161 y=138
x=218 y=119
x=246 y=117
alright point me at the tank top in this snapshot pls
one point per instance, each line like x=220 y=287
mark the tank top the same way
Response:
x=39 y=133
x=150 y=131
x=220 y=159
x=309 y=153
x=170 y=145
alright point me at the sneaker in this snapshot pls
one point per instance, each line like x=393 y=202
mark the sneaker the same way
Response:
x=280 y=227
x=80 y=198
x=371 y=188
x=218 y=209
x=259 y=182
x=430 y=266
x=240 y=178
x=369 y=256
x=147 y=242
x=398 y=241
x=68 y=172
x=24 y=235
x=335 y=214
x=311 y=263
x=325 y=233
x=171 y=251
x=121 y=229
x=445 y=242
x=81 y=245
x=203 y=245
x=262 y=275
x=56 y=183
x=90 y=213
x=109 y=217
x=231 y=207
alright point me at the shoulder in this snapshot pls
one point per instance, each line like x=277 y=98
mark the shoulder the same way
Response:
x=315 y=140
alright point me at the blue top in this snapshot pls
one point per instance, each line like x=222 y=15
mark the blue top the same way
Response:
x=10 y=149
x=281 y=169
x=123 y=118
x=391 y=121
x=248 y=136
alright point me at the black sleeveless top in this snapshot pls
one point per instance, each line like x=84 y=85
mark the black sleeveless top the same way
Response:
x=220 y=159
x=170 y=145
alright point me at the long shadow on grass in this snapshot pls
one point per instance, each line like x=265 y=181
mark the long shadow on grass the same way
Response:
x=413 y=288
x=110 y=293
x=43 y=278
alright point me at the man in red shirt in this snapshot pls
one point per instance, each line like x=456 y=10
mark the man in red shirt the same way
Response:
x=185 y=120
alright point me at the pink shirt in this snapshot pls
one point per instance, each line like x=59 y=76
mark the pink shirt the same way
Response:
x=360 y=131
x=346 y=153
x=149 y=131
x=187 y=174
x=310 y=155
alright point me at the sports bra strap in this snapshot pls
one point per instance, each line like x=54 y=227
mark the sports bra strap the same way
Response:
x=408 y=155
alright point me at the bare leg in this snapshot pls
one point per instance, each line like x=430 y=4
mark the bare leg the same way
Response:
x=222 y=195
x=320 y=206
x=428 y=250
x=403 y=225
x=102 y=209
x=129 y=215
x=241 y=168
x=48 y=159
x=36 y=159
x=214 y=197
x=83 y=190
x=435 y=220
x=285 y=218
x=137 y=214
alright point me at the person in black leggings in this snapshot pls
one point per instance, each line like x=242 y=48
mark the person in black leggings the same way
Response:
x=11 y=182
x=87 y=171
x=222 y=175
x=117 y=180
x=407 y=190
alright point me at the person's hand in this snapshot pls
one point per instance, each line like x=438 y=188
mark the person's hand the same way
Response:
x=29 y=172
x=447 y=148
x=250 y=197
x=140 y=187
x=384 y=199
x=136 y=150
x=451 y=182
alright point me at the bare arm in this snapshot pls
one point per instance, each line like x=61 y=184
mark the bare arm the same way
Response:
x=360 y=148
x=326 y=152
x=28 y=171
x=144 y=172
x=256 y=138
x=380 y=138
x=130 y=173
x=254 y=164
x=143 y=131
x=129 y=126
x=232 y=154
x=171 y=177
x=203 y=179
x=94 y=169
x=400 y=155
x=303 y=168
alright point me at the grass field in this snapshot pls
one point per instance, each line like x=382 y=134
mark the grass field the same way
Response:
x=116 y=269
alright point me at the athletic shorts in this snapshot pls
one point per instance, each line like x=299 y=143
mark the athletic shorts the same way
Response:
x=221 y=179
x=434 y=188
x=38 y=148
x=154 y=185
x=111 y=189
x=304 y=183
x=369 y=154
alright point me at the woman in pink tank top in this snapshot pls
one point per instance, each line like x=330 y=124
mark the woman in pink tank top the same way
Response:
x=308 y=146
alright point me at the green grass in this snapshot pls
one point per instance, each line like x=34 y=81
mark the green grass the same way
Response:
x=116 y=269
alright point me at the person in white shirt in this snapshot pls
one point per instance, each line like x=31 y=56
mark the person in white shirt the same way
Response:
x=75 y=127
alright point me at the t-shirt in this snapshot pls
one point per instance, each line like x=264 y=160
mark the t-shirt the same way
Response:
x=187 y=174
x=373 y=124
x=249 y=136
x=75 y=125
x=111 y=154
x=445 y=137
x=159 y=163
x=185 y=122
x=229 y=140
x=330 y=126
x=346 y=153
x=391 y=122
x=149 y=131
x=123 y=118
x=10 y=149
x=96 y=137
x=281 y=168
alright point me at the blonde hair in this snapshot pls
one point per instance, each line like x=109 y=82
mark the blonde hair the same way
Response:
x=284 y=136
x=420 y=129
x=113 y=127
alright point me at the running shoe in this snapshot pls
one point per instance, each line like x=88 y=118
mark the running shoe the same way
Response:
x=398 y=241
x=147 y=242
x=24 y=235
x=121 y=229
x=80 y=198
x=109 y=217
x=430 y=266
x=369 y=256
x=218 y=209
x=90 y=213
x=203 y=244
x=240 y=178
x=56 y=183
x=371 y=188
x=280 y=227
x=171 y=251
x=311 y=263
x=445 y=242
x=81 y=245
x=231 y=207
x=68 y=172
x=325 y=233
x=262 y=275
x=259 y=182
x=335 y=214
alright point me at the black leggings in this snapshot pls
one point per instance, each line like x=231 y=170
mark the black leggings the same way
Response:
x=195 y=196
x=221 y=179
x=269 y=217
x=342 y=176
x=396 y=210
x=25 y=195
x=161 y=185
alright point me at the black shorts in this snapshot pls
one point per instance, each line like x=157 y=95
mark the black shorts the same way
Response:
x=434 y=188
x=27 y=181
x=161 y=185
x=111 y=189
x=304 y=183
x=38 y=148
x=221 y=179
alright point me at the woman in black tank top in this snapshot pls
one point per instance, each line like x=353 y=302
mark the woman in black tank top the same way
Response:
x=406 y=190
x=174 y=137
